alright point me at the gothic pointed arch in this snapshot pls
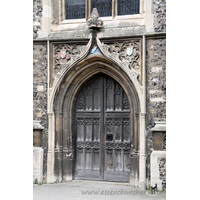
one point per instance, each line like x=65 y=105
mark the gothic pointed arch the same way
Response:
x=64 y=104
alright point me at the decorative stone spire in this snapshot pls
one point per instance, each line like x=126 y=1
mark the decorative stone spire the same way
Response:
x=94 y=21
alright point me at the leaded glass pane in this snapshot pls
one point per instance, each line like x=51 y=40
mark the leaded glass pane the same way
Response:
x=104 y=7
x=128 y=7
x=75 y=9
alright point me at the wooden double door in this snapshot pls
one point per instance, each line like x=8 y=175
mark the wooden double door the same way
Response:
x=102 y=131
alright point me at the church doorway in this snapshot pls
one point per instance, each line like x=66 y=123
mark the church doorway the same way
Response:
x=102 y=131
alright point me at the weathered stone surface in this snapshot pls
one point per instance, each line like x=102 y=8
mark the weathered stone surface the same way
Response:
x=37 y=125
x=120 y=31
x=156 y=89
x=37 y=15
x=156 y=81
x=40 y=97
x=158 y=169
x=126 y=28
x=159 y=11
x=162 y=171
x=38 y=164
x=76 y=34
x=64 y=54
x=126 y=52
x=94 y=21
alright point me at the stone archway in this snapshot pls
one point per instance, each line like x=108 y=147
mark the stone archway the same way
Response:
x=62 y=162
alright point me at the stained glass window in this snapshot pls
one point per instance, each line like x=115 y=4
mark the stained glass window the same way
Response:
x=128 y=7
x=104 y=7
x=75 y=9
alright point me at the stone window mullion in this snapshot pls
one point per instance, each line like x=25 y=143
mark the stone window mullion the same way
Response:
x=115 y=8
x=63 y=10
x=88 y=9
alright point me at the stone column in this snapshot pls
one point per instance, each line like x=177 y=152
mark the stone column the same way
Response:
x=134 y=155
x=50 y=153
x=67 y=164
x=142 y=138
x=58 y=149
x=67 y=149
x=142 y=151
x=134 y=170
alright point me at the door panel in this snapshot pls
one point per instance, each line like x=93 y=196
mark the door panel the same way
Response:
x=102 y=129
x=88 y=128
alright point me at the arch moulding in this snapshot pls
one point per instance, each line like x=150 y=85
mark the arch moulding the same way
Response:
x=61 y=101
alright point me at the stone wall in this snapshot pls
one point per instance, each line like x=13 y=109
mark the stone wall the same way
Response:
x=40 y=94
x=37 y=15
x=159 y=12
x=162 y=170
x=156 y=89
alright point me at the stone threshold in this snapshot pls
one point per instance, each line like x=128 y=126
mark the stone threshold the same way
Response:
x=101 y=182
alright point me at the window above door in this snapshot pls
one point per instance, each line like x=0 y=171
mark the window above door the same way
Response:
x=114 y=13
x=79 y=9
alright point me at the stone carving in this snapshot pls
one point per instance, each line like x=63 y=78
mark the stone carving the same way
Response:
x=65 y=54
x=69 y=51
x=126 y=54
x=94 y=21
x=128 y=51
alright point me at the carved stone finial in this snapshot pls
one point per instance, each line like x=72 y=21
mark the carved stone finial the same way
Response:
x=94 y=21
